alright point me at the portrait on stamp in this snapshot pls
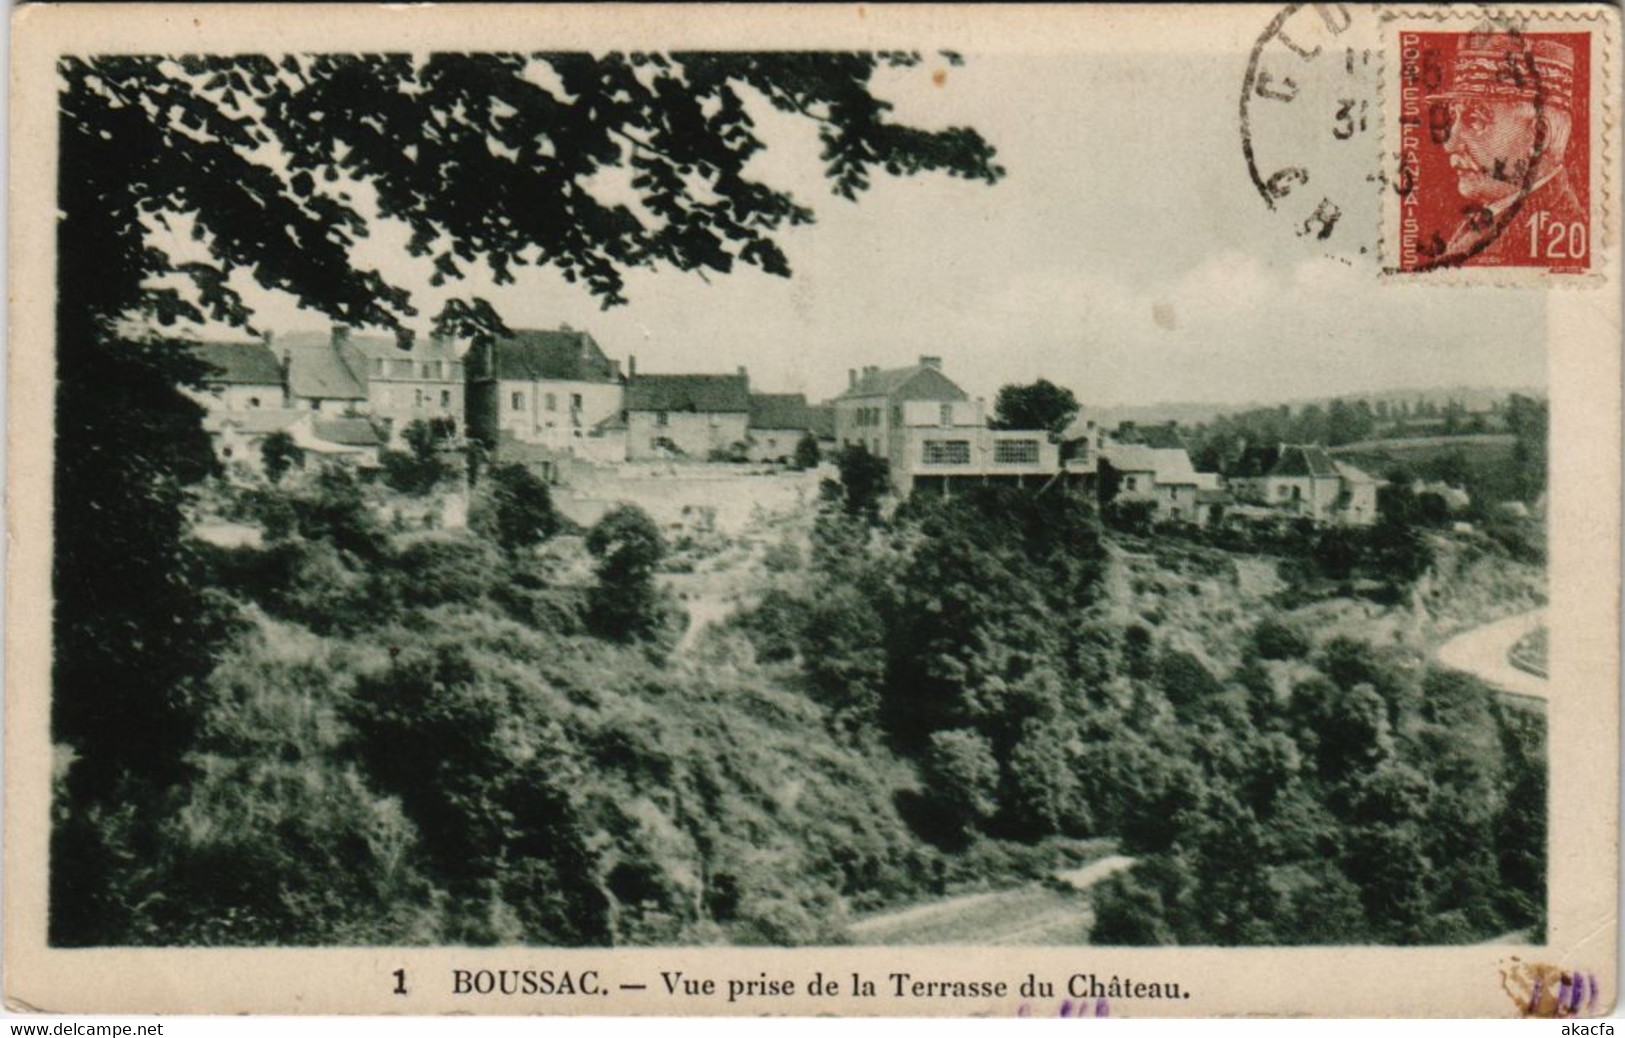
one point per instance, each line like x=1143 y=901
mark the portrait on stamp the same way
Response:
x=1497 y=142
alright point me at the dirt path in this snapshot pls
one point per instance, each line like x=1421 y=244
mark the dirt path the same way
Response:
x=1033 y=914
x=1482 y=652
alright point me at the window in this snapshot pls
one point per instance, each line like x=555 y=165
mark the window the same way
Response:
x=947 y=452
x=897 y=414
x=1131 y=482
x=946 y=414
x=661 y=418
x=417 y=399
x=378 y=366
x=424 y=370
x=551 y=401
x=575 y=401
x=445 y=398
x=1015 y=452
x=253 y=401
x=518 y=402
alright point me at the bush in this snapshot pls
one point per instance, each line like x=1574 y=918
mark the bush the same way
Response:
x=963 y=776
x=515 y=509
x=865 y=481
x=628 y=546
x=782 y=557
x=807 y=453
x=1274 y=639
x=444 y=570
x=278 y=453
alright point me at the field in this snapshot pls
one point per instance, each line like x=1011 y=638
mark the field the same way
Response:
x=1484 y=461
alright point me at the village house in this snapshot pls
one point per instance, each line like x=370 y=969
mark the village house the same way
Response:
x=778 y=421
x=241 y=376
x=695 y=416
x=1303 y=480
x=319 y=379
x=552 y=386
x=396 y=379
x=1165 y=477
x=239 y=437
x=933 y=435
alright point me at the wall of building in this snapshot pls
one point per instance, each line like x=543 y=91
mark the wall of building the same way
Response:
x=404 y=401
x=864 y=422
x=1362 y=505
x=773 y=444
x=971 y=452
x=523 y=409
x=696 y=434
x=242 y=397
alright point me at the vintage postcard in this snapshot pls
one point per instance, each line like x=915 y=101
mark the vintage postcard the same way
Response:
x=1093 y=511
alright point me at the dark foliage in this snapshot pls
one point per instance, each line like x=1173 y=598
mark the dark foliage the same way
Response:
x=279 y=453
x=1040 y=405
x=517 y=509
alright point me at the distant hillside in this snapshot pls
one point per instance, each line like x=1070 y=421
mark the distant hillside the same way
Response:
x=1473 y=398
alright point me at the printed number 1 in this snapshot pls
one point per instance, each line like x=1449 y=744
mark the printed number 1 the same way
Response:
x=400 y=982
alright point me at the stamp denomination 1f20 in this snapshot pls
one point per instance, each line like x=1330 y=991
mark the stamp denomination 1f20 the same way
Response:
x=1493 y=135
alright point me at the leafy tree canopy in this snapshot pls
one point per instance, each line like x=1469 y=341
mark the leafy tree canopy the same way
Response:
x=490 y=158
x=1041 y=405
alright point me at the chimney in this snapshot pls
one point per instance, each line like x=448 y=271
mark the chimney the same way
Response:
x=631 y=367
x=341 y=335
x=405 y=338
x=851 y=377
x=563 y=327
x=266 y=336
x=934 y=363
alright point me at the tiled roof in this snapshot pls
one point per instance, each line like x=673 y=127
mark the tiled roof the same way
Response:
x=704 y=393
x=1288 y=459
x=821 y=421
x=557 y=355
x=1173 y=466
x=1130 y=457
x=1351 y=474
x=1163 y=437
x=917 y=382
x=351 y=432
x=316 y=371
x=779 y=411
x=239 y=363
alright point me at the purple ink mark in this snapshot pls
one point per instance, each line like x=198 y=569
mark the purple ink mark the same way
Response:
x=1591 y=1003
x=1534 y=996
x=1578 y=993
x=1025 y=1009
x=1102 y=1007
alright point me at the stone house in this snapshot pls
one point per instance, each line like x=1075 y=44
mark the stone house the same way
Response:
x=241 y=376
x=932 y=435
x=549 y=386
x=1303 y=480
x=685 y=415
x=777 y=423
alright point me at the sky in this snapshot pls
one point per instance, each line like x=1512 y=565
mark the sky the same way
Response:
x=1126 y=255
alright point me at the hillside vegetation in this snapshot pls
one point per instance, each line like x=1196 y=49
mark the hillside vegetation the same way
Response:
x=494 y=737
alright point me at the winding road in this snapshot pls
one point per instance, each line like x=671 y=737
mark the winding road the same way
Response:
x=1482 y=652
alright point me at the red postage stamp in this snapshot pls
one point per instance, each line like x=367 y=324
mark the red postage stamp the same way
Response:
x=1494 y=140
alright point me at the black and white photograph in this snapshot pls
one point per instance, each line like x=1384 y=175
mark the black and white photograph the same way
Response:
x=574 y=494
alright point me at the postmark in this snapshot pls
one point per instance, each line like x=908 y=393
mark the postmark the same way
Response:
x=1434 y=144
